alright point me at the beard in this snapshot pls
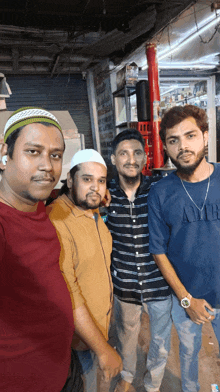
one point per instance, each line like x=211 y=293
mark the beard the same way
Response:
x=189 y=169
x=85 y=204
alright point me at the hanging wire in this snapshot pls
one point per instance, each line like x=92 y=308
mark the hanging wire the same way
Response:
x=168 y=34
x=86 y=6
x=197 y=27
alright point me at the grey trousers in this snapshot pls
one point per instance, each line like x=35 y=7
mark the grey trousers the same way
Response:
x=128 y=323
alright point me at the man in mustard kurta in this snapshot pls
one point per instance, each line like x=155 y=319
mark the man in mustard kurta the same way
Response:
x=86 y=247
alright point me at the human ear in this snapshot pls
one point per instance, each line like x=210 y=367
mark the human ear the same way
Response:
x=165 y=147
x=113 y=159
x=206 y=138
x=4 y=157
x=69 y=180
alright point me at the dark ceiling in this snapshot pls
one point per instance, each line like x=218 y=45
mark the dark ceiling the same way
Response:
x=69 y=36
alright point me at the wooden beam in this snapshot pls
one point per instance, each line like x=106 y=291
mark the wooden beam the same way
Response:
x=15 y=59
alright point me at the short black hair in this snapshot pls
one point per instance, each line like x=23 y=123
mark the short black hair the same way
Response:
x=127 y=134
x=65 y=190
x=11 y=139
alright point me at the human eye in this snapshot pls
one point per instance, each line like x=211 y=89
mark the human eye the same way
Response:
x=33 y=151
x=172 y=141
x=139 y=152
x=191 y=136
x=102 y=181
x=86 y=179
x=57 y=156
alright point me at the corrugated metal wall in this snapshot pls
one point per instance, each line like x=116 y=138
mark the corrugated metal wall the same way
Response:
x=64 y=92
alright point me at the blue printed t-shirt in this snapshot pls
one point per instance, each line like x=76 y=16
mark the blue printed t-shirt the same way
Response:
x=191 y=244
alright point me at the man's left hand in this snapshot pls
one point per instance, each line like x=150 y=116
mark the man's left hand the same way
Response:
x=197 y=311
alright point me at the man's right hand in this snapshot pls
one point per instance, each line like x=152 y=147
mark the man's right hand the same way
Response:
x=107 y=199
x=110 y=363
x=197 y=311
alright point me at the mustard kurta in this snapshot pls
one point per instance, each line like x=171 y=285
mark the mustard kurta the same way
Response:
x=84 y=259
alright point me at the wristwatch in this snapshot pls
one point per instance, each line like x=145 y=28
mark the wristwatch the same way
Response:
x=185 y=302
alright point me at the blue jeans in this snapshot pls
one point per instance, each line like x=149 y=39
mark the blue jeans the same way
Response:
x=128 y=323
x=190 y=336
x=89 y=365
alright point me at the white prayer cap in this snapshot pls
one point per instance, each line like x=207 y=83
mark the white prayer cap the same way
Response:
x=87 y=155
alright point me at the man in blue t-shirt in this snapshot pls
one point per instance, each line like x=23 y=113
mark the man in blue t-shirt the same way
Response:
x=184 y=226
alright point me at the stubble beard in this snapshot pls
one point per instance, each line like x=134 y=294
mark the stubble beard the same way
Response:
x=131 y=180
x=31 y=198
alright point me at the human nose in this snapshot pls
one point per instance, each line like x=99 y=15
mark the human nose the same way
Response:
x=132 y=159
x=95 y=186
x=45 y=163
x=183 y=145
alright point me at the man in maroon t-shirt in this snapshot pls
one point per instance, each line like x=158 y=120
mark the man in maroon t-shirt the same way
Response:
x=36 y=320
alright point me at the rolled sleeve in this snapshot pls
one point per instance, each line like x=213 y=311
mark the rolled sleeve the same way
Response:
x=159 y=231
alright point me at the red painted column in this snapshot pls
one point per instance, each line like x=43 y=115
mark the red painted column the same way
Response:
x=153 y=79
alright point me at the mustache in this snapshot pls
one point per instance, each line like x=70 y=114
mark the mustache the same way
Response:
x=43 y=178
x=128 y=165
x=93 y=193
x=184 y=152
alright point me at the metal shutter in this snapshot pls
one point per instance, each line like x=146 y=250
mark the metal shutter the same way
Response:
x=64 y=92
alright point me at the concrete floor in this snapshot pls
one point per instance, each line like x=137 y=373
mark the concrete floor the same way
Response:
x=209 y=361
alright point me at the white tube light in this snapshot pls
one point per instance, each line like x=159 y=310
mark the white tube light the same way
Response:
x=186 y=65
x=167 y=91
x=173 y=88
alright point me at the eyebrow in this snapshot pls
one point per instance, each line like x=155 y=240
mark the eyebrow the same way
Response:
x=29 y=144
x=176 y=137
x=137 y=149
x=90 y=175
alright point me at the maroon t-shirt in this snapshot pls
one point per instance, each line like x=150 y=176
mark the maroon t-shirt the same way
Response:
x=36 y=318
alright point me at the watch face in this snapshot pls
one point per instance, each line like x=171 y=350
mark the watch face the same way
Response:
x=185 y=303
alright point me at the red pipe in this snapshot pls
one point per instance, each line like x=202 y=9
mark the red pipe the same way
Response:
x=153 y=79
